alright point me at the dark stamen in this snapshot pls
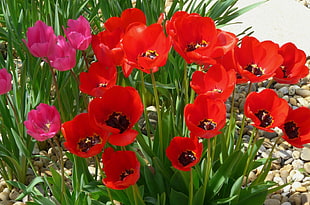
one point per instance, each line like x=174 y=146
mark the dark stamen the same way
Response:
x=264 y=117
x=291 y=130
x=102 y=85
x=119 y=121
x=194 y=46
x=85 y=144
x=126 y=173
x=187 y=157
x=253 y=68
x=283 y=68
x=207 y=124
x=150 y=54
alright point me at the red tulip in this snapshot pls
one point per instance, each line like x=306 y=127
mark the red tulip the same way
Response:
x=296 y=129
x=216 y=82
x=184 y=152
x=5 y=81
x=98 y=79
x=106 y=44
x=293 y=67
x=43 y=122
x=196 y=38
x=78 y=33
x=266 y=109
x=82 y=139
x=122 y=168
x=145 y=48
x=257 y=61
x=205 y=117
x=117 y=112
x=229 y=62
x=62 y=56
x=40 y=39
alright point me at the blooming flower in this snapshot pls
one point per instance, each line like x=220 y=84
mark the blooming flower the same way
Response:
x=216 y=82
x=43 y=122
x=205 y=117
x=296 y=130
x=98 y=79
x=62 y=56
x=5 y=81
x=78 y=33
x=257 y=61
x=122 y=168
x=145 y=48
x=106 y=44
x=196 y=38
x=293 y=67
x=117 y=111
x=40 y=39
x=266 y=109
x=82 y=139
x=184 y=152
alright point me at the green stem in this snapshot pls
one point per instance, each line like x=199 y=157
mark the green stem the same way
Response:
x=238 y=144
x=269 y=83
x=159 y=119
x=57 y=91
x=208 y=169
x=252 y=144
x=103 y=176
x=146 y=117
x=62 y=168
x=191 y=188
x=85 y=59
x=137 y=196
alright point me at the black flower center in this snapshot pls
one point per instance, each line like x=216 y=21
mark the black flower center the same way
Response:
x=126 y=173
x=264 y=117
x=85 y=144
x=253 y=68
x=119 y=121
x=207 y=124
x=187 y=157
x=194 y=46
x=291 y=130
x=284 y=70
x=151 y=54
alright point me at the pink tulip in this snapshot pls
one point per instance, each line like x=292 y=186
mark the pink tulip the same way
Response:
x=43 y=123
x=62 y=56
x=40 y=39
x=78 y=33
x=5 y=81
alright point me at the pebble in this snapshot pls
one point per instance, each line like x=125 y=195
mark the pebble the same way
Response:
x=305 y=154
x=293 y=101
x=303 y=92
x=272 y=202
x=286 y=203
x=302 y=102
x=298 y=164
x=307 y=167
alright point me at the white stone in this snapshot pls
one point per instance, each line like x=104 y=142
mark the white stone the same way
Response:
x=303 y=92
x=305 y=154
x=296 y=185
x=286 y=203
x=298 y=164
x=298 y=176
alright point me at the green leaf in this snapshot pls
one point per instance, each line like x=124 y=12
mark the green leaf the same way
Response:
x=256 y=194
x=178 y=198
x=222 y=174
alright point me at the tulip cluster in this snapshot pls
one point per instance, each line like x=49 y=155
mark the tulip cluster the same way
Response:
x=56 y=50
x=128 y=42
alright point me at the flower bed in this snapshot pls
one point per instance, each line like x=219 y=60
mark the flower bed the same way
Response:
x=95 y=83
